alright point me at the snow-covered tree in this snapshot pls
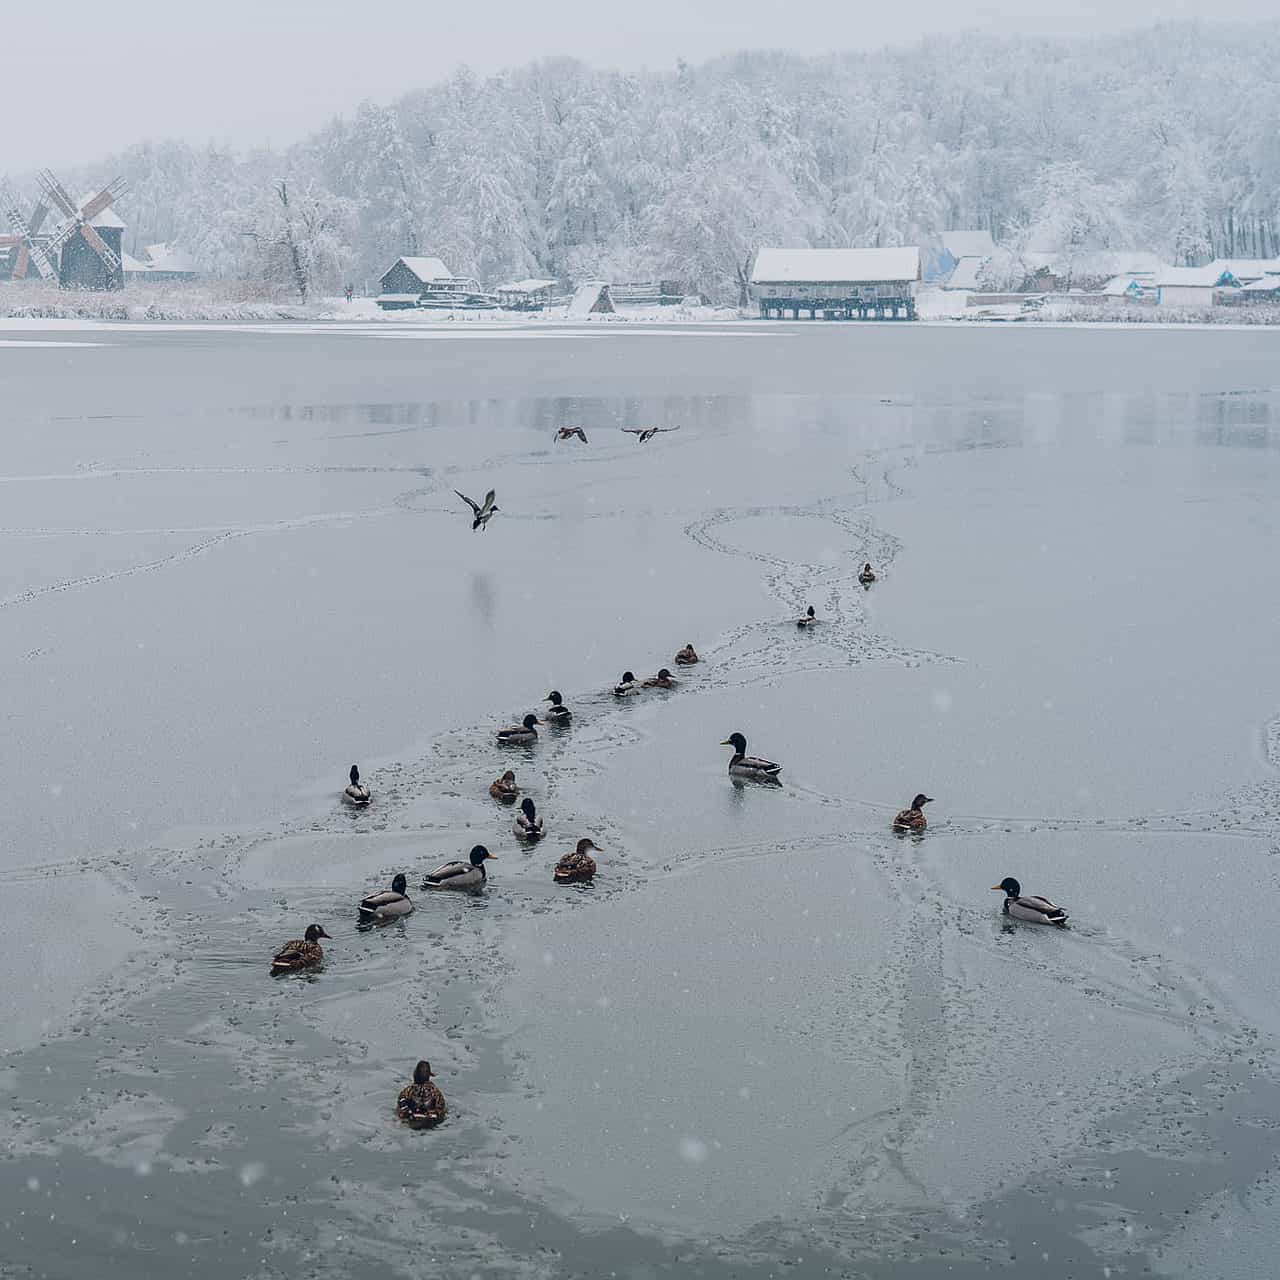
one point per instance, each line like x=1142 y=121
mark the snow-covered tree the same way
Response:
x=301 y=237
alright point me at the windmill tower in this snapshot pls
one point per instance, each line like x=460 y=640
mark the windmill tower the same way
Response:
x=87 y=242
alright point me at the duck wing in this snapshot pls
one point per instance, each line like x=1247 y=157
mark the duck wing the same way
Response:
x=448 y=871
x=469 y=501
x=488 y=502
x=1038 y=908
x=759 y=762
x=381 y=901
x=575 y=866
x=421 y=1104
x=289 y=956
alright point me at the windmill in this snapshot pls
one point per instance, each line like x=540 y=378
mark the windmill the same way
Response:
x=84 y=256
x=29 y=248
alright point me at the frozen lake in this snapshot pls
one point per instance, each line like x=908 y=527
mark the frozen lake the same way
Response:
x=771 y=1038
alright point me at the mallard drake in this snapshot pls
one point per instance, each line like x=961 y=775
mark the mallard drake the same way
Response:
x=557 y=712
x=356 y=792
x=578 y=865
x=626 y=686
x=867 y=576
x=460 y=875
x=301 y=953
x=913 y=819
x=528 y=826
x=504 y=789
x=568 y=433
x=644 y=434
x=807 y=619
x=483 y=511
x=687 y=656
x=388 y=904
x=745 y=766
x=520 y=735
x=663 y=680
x=421 y=1104
x=1031 y=908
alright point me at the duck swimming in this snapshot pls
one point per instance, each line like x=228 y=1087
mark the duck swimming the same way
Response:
x=301 y=953
x=577 y=866
x=421 y=1104
x=867 y=576
x=557 y=712
x=626 y=686
x=808 y=619
x=912 y=818
x=356 y=792
x=528 y=826
x=504 y=789
x=687 y=656
x=1031 y=908
x=388 y=904
x=460 y=875
x=520 y=735
x=745 y=766
x=663 y=680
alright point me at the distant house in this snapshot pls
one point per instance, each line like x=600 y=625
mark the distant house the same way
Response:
x=414 y=276
x=591 y=298
x=1238 y=272
x=1187 y=286
x=525 y=295
x=836 y=284
x=1130 y=288
x=968 y=244
x=1264 y=289
x=161 y=263
x=965 y=274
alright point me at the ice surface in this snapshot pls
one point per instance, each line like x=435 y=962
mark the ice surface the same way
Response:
x=770 y=1028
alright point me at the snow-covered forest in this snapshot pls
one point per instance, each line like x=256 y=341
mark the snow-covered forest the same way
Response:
x=1168 y=139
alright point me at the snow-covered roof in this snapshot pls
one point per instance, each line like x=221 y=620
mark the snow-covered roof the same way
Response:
x=818 y=266
x=131 y=264
x=107 y=218
x=526 y=286
x=965 y=276
x=1246 y=269
x=168 y=257
x=1263 y=284
x=968 y=244
x=1118 y=286
x=425 y=268
x=1190 y=277
x=586 y=297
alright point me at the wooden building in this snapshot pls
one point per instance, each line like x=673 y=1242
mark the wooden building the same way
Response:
x=80 y=266
x=836 y=284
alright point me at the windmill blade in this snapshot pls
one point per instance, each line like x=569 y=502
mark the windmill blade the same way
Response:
x=57 y=193
x=23 y=262
x=101 y=248
x=31 y=249
x=112 y=191
x=38 y=215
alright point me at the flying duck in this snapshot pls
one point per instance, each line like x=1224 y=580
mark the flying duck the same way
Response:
x=557 y=712
x=420 y=1104
x=626 y=686
x=504 y=789
x=745 y=766
x=644 y=434
x=301 y=953
x=663 y=680
x=568 y=433
x=520 y=735
x=912 y=818
x=460 y=875
x=483 y=511
x=388 y=904
x=1032 y=908
x=528 y=826
x=687 y=656
x=578 y=865
x=356 y=792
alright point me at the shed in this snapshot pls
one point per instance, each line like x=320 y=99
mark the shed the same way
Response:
x=836 y=284
x=592 y=298
x=1264 y=289
x=1244 y=271
x=1187 y=286
x=413 y=275
x=161 y=263
x=525 y=295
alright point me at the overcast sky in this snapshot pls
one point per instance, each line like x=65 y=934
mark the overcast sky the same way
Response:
x=98 y=76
